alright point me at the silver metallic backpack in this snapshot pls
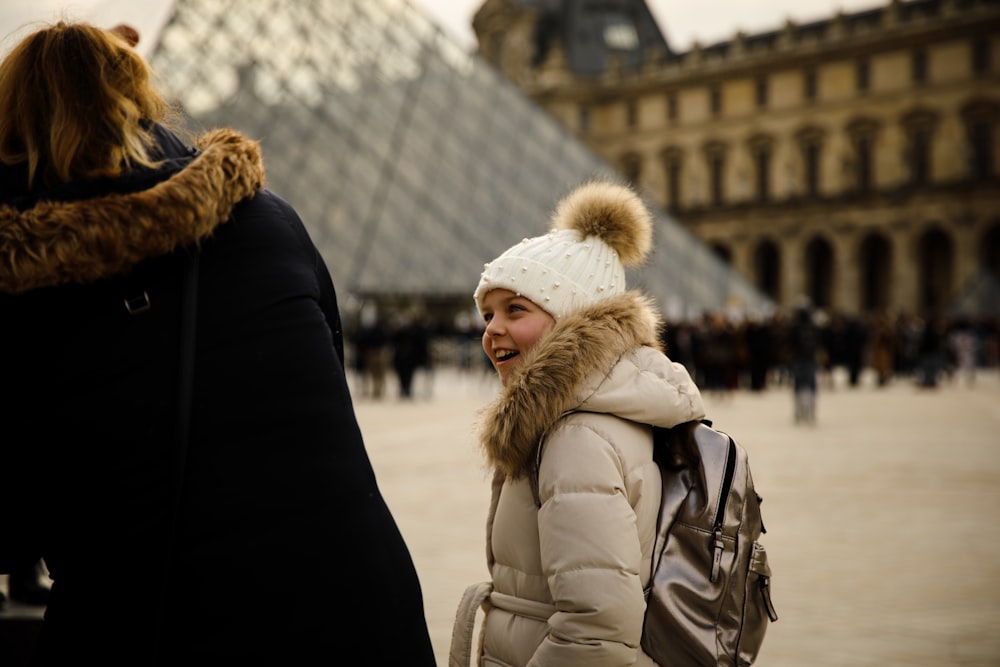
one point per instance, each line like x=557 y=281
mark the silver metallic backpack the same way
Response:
x=709 y=600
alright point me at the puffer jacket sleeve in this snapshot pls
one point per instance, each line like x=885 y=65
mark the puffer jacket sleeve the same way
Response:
x=590 y=548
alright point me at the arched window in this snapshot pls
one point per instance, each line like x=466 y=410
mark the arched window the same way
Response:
x=767 y=269
x=936 y=266
x=819 y=273
x=875 y=271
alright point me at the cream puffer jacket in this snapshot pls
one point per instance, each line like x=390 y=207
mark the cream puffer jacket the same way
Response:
x=568 y=571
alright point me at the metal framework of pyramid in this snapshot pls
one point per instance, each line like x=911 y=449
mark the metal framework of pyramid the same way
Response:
x=411 y=161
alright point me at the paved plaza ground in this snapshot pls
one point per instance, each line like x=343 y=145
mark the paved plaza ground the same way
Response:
x=883 y=519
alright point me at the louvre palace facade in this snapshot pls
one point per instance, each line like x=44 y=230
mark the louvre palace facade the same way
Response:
x=852 y=161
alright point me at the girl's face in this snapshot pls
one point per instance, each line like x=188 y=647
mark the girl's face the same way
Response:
x=513 y=326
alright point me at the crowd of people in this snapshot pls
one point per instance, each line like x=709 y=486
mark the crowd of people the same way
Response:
x=725 y=352
x=400 y=345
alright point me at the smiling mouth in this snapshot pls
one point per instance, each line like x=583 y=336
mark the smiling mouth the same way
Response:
x=506 y=355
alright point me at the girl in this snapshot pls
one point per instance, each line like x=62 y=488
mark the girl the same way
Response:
x=570 y=533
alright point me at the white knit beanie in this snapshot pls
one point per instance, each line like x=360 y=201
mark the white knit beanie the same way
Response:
x=597 y=230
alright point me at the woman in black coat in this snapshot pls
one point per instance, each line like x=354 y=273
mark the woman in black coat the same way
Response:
x=284 y=549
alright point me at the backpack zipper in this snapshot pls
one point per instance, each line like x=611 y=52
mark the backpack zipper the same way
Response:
x=718 y=546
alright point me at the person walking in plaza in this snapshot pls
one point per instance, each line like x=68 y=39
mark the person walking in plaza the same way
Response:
x=230 y=518
x=883 y=348
x=932 y=351
x=584 y=379
x=804 y=345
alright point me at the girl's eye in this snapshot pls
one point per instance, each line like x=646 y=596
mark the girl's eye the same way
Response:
x=487 y=317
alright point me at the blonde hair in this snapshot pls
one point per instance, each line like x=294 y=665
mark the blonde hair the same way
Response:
x=76 y=102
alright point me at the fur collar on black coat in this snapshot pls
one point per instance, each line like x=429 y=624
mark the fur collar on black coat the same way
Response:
x=70 y=236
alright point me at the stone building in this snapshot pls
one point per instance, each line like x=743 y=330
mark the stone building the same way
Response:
x=852 y=161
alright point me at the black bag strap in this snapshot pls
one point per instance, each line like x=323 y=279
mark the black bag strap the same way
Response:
x=185 y=391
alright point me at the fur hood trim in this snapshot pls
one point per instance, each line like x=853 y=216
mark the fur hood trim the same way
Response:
x=56 y=243
x=558 y=375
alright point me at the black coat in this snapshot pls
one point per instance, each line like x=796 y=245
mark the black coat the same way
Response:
x=285 y=546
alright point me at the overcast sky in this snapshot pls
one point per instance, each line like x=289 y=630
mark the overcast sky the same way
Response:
x=682 y=21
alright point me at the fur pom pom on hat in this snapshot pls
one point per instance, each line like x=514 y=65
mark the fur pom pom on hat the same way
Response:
x=597 y=230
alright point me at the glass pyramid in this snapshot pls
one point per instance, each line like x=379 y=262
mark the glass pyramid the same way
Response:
x=411 y=161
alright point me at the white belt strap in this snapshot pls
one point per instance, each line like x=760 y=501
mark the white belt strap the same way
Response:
x=465 y=623
x=532 y=609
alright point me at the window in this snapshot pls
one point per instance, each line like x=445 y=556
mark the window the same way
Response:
x=762 y=160
x=717 y=172
x=980 y=118
x=631 y=113
x=632 y=168
x=920 y=148
x=810 y=142
x=715 y=100
x=861 y=76
x=584 y=120
x=918 y=65
x=760 y=149
x=863 y=163
x=674 y=186
x=919 y=128
x=981 y=56
x=761 y=92
x=809 y=85
x=920 y=161
x=672 y=106
x=672 y=166
x=715 y=161
x=981 y=151
x=810 y=159
x=619 y=32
